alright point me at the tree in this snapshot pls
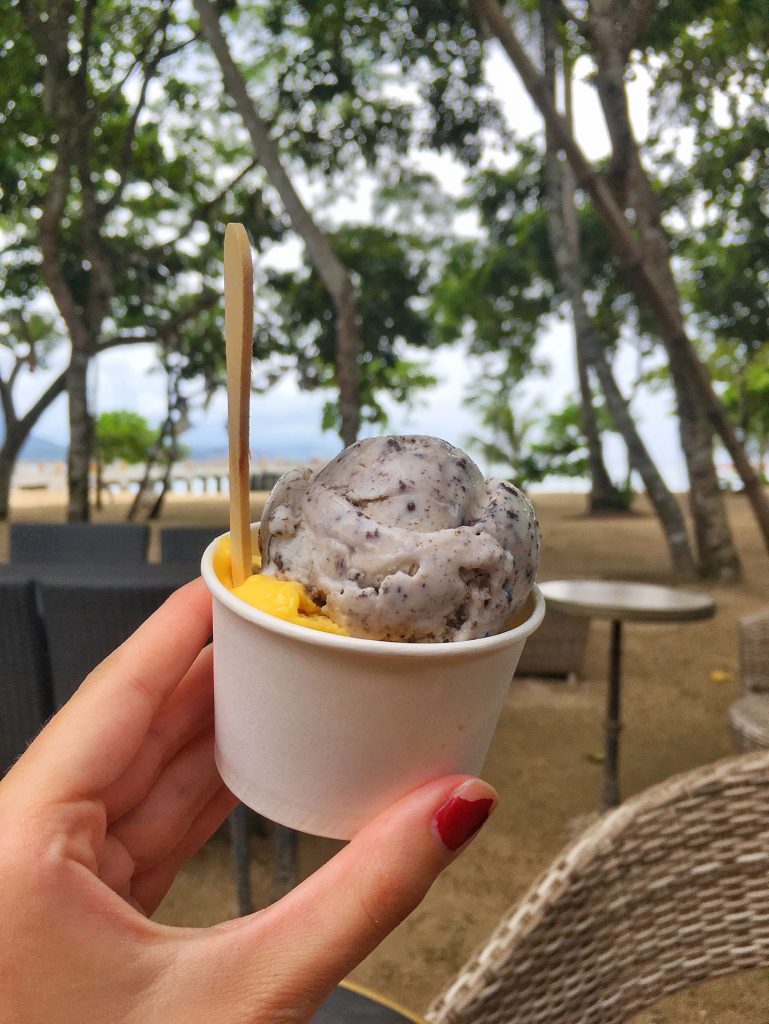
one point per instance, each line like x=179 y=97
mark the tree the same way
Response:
x=123 y=434
x=565 y=243
x=392 y=275
x=318 y=89
x=647 y=258
x=501 y=290
x=27 y=340
x=329 y=267
x=120 y=434
x=112 y=203
x=592 y=351
x=746 y=395
x=718 y=191
x=531 y=449
x=507 y=425
x=564 y=450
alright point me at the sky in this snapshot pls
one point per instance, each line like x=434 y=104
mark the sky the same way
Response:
x=286 y=420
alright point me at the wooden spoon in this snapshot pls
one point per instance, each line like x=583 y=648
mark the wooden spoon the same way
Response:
x=239 y=332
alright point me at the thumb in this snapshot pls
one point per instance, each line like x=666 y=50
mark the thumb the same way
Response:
x=283 y=961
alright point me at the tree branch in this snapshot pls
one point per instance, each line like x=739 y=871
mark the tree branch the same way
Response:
x=632 y=20
x=48 y=225
x=6 y=402
x=85 y=46
x=141 y=56
x=165 y=329
x=330 y=269
x=52 y=392
x=149 y=65
x=203 y=208
x=641 y=276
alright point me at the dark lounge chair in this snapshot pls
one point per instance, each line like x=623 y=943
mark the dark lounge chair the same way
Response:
x=101 y=544
x=184 y=545
x=25 y=684
x=86 y=620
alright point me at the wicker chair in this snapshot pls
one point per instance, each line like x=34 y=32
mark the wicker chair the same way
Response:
x=184 y=545
x=749 y=716
x=669 y=889
x=106 y=544
x=86 y=621
x=557 y=648
x=25 y=693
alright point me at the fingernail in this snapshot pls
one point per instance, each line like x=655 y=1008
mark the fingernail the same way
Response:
x=459 y=818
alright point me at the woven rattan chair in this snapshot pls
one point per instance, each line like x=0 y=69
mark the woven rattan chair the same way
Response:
x=25 y=694
x=184 y=545
x=85 y=621
x=749 y=716
x=669 y=889
x=557 y=648
x=103 y=544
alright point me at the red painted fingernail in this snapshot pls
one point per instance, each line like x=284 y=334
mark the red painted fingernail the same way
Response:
x=460 y=817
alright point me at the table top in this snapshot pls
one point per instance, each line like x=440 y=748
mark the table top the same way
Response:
x=353 y=1004
x=625 y=600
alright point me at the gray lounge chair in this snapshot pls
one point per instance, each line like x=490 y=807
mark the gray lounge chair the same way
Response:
x=25 y=683
x=85 y=621
x=184 y=545
x=749 y=716
x=557 y=648
x=102 y=544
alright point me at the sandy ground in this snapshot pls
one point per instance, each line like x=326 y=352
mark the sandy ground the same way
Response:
x=543 y=759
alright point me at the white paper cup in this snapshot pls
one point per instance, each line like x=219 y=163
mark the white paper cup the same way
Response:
x=320 y=732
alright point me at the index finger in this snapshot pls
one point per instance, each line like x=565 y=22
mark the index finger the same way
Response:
x=95 y=736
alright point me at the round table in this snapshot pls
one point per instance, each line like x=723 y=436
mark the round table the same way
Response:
x=352 y=1004
x=622 y=601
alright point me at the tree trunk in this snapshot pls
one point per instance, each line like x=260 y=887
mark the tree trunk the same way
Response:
x=662 y=500
x=144 y=485
x=9 y=453
x=7 y=463
x=630 y=252
x=157 y=507
x=566 y=245
x=17 y=430
x=98 y=503
x=564 y=241
x=329 y=267
x=80 y=439
x=718 y=556
x=603 y=496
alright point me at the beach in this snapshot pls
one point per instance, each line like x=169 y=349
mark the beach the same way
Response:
x=545 y=759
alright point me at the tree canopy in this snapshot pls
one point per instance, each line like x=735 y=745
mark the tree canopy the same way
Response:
x=126 y=145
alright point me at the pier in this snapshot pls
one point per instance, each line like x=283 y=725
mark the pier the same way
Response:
x=189 y=476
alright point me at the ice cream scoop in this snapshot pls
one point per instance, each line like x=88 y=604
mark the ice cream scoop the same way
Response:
x=401 y=538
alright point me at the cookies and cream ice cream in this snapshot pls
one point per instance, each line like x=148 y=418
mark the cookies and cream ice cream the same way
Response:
x=402 y=538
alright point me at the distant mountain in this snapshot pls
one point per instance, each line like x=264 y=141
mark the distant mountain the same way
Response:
x=199 y=452
x=40 y=449
x=206 y=444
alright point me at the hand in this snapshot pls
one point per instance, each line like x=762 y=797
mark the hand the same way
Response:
x=119 y=789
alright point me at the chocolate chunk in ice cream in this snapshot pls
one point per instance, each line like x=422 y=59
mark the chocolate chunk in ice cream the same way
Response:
x=402 y=538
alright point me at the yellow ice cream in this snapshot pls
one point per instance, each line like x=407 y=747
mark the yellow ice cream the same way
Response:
x=285 y=599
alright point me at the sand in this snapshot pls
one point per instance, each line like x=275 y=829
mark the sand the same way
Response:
x=544 y=757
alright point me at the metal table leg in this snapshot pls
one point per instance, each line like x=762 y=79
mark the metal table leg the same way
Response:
x=241 y=856
x=613 y=723
x=285 y=864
